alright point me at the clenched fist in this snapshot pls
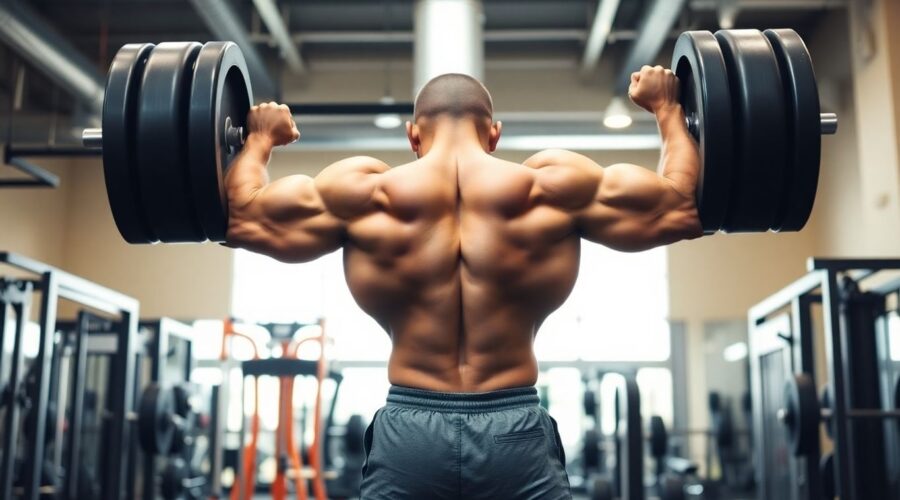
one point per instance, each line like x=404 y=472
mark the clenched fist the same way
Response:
x=654 y=88
x=273 y=121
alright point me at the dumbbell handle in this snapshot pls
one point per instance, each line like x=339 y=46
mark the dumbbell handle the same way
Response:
x=234 y=136
x=92 y=138
x=828 y=123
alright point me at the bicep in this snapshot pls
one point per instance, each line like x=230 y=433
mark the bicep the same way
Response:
x=288 y=220
x=635 y=209
x=298 y=218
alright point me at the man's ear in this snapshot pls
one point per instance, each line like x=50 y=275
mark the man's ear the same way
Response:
x=494 y=136
x=412 y=133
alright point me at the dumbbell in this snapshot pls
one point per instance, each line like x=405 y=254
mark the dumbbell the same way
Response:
x=173 y=119
x=751 y=102
x=801 y=413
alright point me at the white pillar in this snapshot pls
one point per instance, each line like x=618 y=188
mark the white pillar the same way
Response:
x=448 y=39
x=876 y=69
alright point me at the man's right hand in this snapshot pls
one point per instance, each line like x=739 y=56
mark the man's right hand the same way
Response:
x=654 y=88
x=274 y=122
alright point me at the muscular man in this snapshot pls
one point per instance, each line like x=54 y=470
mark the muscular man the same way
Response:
x=460 y=256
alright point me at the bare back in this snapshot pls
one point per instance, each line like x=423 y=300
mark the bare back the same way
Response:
x=460 y=256
x=461 y=267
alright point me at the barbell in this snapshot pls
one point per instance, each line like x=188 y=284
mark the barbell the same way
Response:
x=174 y=116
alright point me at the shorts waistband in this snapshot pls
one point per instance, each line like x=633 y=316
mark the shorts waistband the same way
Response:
x=462 y=402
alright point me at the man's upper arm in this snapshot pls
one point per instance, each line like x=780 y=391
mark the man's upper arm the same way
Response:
x=299 y=218
x=622 y=206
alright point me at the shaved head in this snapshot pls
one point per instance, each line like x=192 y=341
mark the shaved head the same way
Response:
x=455 y=95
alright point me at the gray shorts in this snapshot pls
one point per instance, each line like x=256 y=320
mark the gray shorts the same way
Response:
x=496 y=445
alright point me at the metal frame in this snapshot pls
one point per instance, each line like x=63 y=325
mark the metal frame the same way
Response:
x=164 y=330
x=53 y=285
x=820 y=285
x=17 y=295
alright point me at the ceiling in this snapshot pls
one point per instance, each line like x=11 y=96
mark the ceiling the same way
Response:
x=323 y=27
x=323 y=30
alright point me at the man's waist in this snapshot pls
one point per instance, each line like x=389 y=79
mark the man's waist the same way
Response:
x=462 y=402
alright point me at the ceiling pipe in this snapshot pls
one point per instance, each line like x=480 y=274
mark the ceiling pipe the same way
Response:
x=32 y=38
x=653 y=31
x=224 y=24
x=271 y=17
x=600 y=30
x=448 y=39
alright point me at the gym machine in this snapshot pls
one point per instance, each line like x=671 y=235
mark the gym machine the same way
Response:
x=29 y=442
x=858 y=404
x=174 y=454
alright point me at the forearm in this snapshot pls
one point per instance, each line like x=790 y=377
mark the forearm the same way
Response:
x=247 y=174
x=679 y=156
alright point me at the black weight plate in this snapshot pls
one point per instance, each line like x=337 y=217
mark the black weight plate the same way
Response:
x=162 y=142
x=659 y=439
x=804 y=128
x=183 y=405
x=119 y=152
x=760 y=144
x=220 y=90
x=184 y=428
x=179 y=440
x=355 y=436
x=671 y=488
x=172 y=479
x=589 y=402
x=155 y=426
x=590 y=450
x=600 y=488
x=802 y=413
x=706 y=98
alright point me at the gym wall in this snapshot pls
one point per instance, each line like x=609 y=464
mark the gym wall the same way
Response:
x=33 y=220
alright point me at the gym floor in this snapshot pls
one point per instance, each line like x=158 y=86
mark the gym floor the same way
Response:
x=673 y=319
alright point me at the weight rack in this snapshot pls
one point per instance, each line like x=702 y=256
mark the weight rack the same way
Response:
x=54 y=284
x=782 y=344
x=161 y=334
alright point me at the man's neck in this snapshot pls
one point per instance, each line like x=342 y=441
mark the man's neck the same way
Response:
x=454 y=135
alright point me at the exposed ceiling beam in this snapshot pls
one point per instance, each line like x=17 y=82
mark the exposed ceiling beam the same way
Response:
x=599 y=34
x=224 y=23
x=34 y=40
x=652 y=33
x=271 y=17
x=728 y=12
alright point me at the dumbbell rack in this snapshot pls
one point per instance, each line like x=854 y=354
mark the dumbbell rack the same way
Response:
x=54 y=284
x=781 y=334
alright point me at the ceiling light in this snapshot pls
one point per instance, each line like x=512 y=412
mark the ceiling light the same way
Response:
x=735 y=352
x=388 y=120
x=617 y=115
